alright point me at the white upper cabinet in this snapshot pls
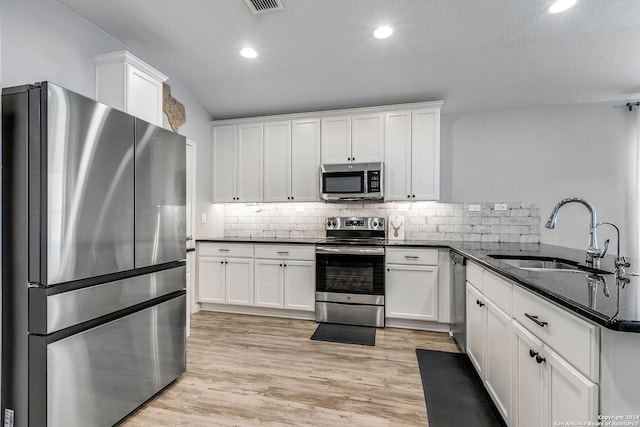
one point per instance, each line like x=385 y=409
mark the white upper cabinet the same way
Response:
x=336 y=140
x=367 y=138
x=277 y=161
x=129 y=84
x=224 y=163
x=305 y=160
x=291 y=160
x=353 y=139
x=412 y=155
x=237 y=161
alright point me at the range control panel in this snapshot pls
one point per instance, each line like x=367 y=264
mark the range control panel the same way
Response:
x=355 y=223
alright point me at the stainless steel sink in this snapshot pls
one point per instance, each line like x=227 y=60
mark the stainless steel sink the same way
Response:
x=534 y=263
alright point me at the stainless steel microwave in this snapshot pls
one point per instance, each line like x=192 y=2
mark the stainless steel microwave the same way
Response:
x=351 y=182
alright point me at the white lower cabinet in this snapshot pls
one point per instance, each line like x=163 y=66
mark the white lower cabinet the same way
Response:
x=285 y=276
x=531 y=372
x=489 y=347
x=225 y=273
x=265 y=276
x=239 y=281
x=547 y=389
x=411 y=284
x=476 y=319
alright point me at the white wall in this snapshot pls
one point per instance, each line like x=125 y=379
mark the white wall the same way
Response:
x=198 y=129
x=543 y=155
x=42 y=40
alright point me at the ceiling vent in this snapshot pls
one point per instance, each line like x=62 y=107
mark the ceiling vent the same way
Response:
x=262 y=6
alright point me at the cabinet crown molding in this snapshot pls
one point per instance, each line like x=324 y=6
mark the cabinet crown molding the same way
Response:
x=327 y=113
x=128 y=57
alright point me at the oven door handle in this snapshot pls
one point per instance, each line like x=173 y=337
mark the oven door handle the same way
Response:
x=347 y=250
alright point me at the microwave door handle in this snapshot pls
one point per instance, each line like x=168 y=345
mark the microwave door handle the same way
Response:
x=366 y=182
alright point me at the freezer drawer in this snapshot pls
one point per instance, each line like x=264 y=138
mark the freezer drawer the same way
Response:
x=71 y=308
x=160 y=193
x=97 y=377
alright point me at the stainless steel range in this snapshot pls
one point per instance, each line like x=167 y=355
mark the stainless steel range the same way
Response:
x=350 y=272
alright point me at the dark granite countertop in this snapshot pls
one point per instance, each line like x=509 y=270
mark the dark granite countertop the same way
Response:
x=619 y=310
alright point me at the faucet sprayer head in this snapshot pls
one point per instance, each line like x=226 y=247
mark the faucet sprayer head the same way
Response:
x=551 y=222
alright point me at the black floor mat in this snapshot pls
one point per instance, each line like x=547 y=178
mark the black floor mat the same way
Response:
x=454 y=392
x=346 y=334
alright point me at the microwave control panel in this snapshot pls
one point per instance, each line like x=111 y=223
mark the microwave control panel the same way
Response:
x=373 y=181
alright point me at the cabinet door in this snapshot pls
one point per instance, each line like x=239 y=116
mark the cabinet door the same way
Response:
x=367 y=138
x=411 y=292
x=211 y=279
x=497 y=375
x=336 y=140
x=224 y=163
x=299 y=285
x=475 y=328
x=143 y=96
x=250 y=157
x=239 y=289
x=397 y=156
x=527 y=379
x=570 y=396
x=268 y=282
x=277 y=161
x=305 y=160
x=425 y=154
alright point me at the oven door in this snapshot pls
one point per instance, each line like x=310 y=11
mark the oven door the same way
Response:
x=350 y=270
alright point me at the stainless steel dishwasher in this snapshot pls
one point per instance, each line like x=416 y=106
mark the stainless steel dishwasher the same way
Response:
x=458 y=287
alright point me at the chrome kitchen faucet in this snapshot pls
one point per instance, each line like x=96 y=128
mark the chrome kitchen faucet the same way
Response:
x=593 y=252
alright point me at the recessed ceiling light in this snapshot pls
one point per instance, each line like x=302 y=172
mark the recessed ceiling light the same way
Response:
x=247 y=52
x=561 y=5
x=382 y=32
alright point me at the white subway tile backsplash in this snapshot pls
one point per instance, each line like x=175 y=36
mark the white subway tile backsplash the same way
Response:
x=423 y=220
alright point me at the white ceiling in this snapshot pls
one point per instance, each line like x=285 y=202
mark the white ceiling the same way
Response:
x=319 y=54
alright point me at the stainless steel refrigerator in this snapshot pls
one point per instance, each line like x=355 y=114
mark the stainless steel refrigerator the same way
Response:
x=93 y=259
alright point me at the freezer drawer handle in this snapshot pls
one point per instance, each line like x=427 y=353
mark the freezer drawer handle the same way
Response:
x=411 y=257
x=535 y=319
x=223 y=250
x=283 y=253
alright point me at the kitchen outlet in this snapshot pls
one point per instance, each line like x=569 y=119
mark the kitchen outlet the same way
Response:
x=474 y=208
x=500 y=207
x=203 y=218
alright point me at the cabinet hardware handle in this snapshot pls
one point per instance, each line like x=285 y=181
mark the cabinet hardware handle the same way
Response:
x=533 y=353
x=283 y=253
x=540 y=359
x=481 y=304
x=353 y=158
x=388 y=269
x=288 y=198
x=414 y=196
x=221 y=262
x=280 y=265
x=291 y=197
x=408 y=196
x=411 y=257
x=223 y=250
x=226 y=262
x=285 y=266
x=535 y=319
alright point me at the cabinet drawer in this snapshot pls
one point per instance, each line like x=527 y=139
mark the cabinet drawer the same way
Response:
x=242 y=250
x=412 y=256
x=299 y=252
x=498 y=290
x=571 y=337
x=474 y=275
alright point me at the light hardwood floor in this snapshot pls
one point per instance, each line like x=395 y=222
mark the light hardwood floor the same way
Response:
x=249 y=370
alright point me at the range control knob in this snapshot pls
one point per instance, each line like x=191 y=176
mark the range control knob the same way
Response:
x=335 y=223
x=375 y=224
x=381 y=223
x=328 y=223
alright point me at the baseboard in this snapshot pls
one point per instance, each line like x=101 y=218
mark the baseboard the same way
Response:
x=418 y=325
x=259 y=311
